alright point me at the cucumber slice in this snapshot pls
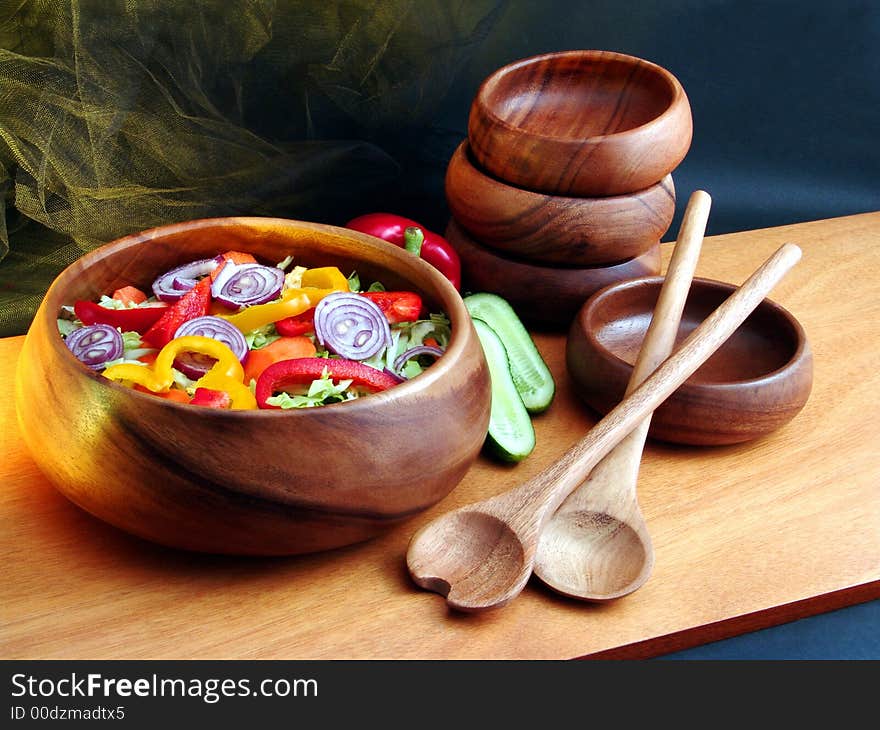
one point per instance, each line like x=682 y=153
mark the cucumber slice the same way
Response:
x=530 y=373
x=511 y=434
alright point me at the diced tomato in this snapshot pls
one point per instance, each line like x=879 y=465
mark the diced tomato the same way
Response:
x=284 y=348
x=130 y=295
x=397 y=306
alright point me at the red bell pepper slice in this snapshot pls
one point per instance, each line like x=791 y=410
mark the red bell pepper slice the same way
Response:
x=436 y=250
x=397 y=306
x=298 y=324
x=134 y=319
x=304 y=370
x=211 y=398
x=193 y=304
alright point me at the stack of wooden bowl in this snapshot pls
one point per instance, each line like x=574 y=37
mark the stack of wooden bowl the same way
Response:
x=564 y=182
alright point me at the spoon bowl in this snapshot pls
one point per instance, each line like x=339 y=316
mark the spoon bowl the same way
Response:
x=484 y=552
x=594 y=553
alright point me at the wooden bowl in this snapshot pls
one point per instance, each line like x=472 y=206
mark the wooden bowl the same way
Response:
x=552 y=229
x=581 y=123
x=251 y=482
x=544 y=296
x=756 y=382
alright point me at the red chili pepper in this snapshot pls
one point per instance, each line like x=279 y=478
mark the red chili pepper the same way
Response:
x=397 y=306
x=436 y=250
x=304 y=370
x=193 y=304
x=211 y=398
x=298 y=324
x=135 y=319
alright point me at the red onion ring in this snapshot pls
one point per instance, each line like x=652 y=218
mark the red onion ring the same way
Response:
x=243 y=285
x=351 y=326
x=397 y=376
x=95 y=345
x=402 y=359
x=173 y=284
x=195 y=364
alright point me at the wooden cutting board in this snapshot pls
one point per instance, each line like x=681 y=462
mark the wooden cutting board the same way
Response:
x=746 y=536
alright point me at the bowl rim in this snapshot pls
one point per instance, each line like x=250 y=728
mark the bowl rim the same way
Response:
x=480 y=102
x=797 y=359
x=530 y=268
x=450 y=299
x=464 y=152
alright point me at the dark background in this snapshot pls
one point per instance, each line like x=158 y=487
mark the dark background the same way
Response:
x=785 y=95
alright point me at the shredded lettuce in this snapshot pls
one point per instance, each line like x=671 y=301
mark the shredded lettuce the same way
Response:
x=131 y=341
x=184 y=382
x=124 y=361
x=406 y=335
x=285 y=263
x=133 y=347
x=261 y=337
x=322 y=391
x=354 y=284
x=66 y=326
x=411 y=368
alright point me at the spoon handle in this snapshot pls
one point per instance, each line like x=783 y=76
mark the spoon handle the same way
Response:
x=660 y=337
x=538 y=498
x=611 y=485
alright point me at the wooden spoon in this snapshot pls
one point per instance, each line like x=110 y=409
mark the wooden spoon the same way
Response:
x=480 y=556
x=597 y=546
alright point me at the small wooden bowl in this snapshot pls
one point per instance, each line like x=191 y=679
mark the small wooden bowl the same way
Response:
x=251 y=482
x=543 y=296
x=756 y=382
x=581 y=123
x=552 y=229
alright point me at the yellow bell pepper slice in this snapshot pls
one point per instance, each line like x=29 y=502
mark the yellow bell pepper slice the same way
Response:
x=293 y=301
x=144 y=375
x=226 y=374
x=325 y=277
x=227 y=363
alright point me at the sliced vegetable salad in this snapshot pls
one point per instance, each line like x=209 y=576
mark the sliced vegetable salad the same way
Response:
x=231 y=332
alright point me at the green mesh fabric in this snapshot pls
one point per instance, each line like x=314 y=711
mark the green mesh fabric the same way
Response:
x=121 y=115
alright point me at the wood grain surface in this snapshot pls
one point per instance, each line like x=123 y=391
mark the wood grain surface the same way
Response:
x=553 y=229
x=546 y=297
x=580 y=123
x=746 y=536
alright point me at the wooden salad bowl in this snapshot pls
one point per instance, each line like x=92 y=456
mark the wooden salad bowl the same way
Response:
x=554 y=229
x=757 y=381
x=546 y=297
x=251 y=482
x=581 y=123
